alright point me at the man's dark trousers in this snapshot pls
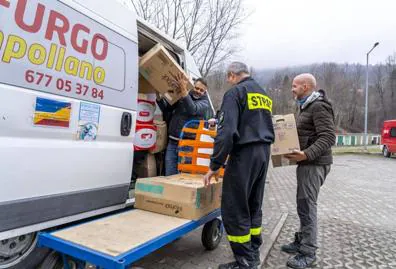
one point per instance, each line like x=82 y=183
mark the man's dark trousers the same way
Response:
x=309 y=180
x=243 y=192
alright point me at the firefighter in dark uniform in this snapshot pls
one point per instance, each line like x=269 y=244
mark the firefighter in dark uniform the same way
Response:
x=244 y=133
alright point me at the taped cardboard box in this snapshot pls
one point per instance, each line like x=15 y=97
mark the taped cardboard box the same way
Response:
x=160 y=69
x=145 y=86
x=147 y=167
x=162 y=136
x=286 y=139
x=181 y=195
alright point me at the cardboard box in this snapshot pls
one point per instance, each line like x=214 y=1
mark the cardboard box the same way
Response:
x=148 y=167
x=280 y=160
x=145 y=86
x=286 y=139
x=158 y=113
x=181 y=195
x=160 y=69
x=162 y=136
x=151 y=97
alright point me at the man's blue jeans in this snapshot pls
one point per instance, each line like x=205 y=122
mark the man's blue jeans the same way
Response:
x=171 y=158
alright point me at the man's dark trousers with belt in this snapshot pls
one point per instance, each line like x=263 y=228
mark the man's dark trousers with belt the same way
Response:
x=243 y=191
x=245 y=133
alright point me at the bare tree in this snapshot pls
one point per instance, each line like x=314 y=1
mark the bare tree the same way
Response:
x=343 y=84
x=217 y=86
x=206 y=27
x=380 y=82
x=391 y=85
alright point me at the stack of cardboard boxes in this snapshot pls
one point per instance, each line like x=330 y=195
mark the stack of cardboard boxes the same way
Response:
x=158 y=71
x=182 y=195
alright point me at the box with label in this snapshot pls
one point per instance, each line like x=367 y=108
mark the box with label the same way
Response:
x=160 y=69
x=162 y=136
x=181 y=195
x=145 y=136
x=286 y=139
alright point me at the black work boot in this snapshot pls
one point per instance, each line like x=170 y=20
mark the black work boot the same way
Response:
x=257 y=259
x=301 y=261
x=293 y=247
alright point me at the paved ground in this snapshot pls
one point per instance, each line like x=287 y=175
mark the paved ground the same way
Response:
x=357 y=217
x=357 y=214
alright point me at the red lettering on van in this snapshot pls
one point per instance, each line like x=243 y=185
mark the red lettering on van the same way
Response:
x=5 y=3
x=20 y=14
x=74 y=36
x=94 y=47
x=60 y=25
x=60 y=29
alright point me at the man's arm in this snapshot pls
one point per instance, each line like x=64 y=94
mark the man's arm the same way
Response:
x=163 y=105
x=195 y=107
x=323 y=121
x=227 y=130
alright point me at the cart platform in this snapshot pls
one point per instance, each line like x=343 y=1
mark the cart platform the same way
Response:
x=118 y=240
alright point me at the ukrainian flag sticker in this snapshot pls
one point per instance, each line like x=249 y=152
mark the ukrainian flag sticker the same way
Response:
x=52 y=113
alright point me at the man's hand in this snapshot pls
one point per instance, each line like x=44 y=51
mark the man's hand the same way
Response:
x=297 y=156
x=212 y=124
x=158 y=96
x=182 y=83
x=209 y=176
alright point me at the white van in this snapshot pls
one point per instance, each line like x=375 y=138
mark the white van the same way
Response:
x=68 y=98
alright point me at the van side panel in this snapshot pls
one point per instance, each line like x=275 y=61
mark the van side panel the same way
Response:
x=61 y=149
x=66 y=53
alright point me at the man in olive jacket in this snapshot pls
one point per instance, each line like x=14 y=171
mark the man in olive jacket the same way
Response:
x=316 y=133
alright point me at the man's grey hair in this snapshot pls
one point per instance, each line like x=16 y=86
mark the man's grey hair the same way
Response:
x=238 y=68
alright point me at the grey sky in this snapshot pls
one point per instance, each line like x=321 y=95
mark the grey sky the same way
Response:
x=293 y=32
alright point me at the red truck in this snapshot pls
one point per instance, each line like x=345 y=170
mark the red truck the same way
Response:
x=388 y=138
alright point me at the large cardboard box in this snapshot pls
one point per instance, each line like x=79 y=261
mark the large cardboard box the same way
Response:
x=286 y=139
x=162 y=136
x=160 y=69
x=181 y=195
x=145 y=86
x=148 y=167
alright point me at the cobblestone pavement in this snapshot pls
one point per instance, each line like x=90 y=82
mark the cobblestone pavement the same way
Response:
x=357 y=214
x=357 y=220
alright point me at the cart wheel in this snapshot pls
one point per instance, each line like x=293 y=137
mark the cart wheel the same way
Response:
x=212 y=234
x=55 y=261
x=52 y=261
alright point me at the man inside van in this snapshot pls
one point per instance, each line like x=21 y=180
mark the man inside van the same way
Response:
x=193 y=105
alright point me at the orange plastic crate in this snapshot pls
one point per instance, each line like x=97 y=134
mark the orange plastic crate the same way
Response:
x=194 y=154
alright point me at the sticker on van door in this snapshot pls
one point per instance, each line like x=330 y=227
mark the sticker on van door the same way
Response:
x=52 y=113
x=88 y=123
x=47 y=46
